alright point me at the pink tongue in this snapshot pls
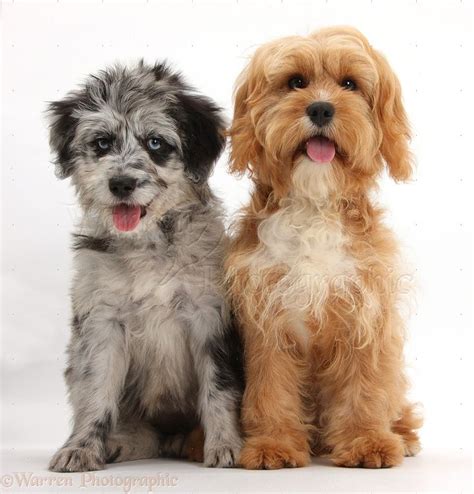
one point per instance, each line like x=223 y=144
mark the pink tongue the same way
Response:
x=320 y=149
x=125 y=217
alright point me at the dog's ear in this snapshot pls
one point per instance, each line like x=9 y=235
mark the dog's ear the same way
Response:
x=243 y=141
x=203 y=133
x=62 y=127
x=393 y=122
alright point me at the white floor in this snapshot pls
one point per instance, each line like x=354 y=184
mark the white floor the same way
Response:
x=431 y=471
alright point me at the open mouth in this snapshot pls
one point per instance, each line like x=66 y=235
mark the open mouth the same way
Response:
x=126 y=217
x=320 y=149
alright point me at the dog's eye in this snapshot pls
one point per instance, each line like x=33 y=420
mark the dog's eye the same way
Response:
x=349 y=84
x=153 y=143
x=103 y=144
x=297 y=82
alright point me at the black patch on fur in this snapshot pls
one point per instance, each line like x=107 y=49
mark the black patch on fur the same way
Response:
x=102 y=426
x=63 y=126
x=163 y=71
x=62 y=129
x=77 y=322
x=202 y=132
x=227 y=353
x=161 y=183
x=86 y=372
x=67 y=372
x=204 y=193
x=98 y=432
x=113 y=456
x=161 y=155
x=167 y=226
x=76 y=325
x=92 y=243
x=131 y=399
x=170 y=419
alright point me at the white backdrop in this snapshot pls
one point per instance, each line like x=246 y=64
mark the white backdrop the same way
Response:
x=48 y=48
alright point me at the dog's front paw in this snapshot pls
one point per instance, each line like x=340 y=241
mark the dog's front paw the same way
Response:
x=222 y=455
x=69 y=459
x=267 y=453
x=372 y=451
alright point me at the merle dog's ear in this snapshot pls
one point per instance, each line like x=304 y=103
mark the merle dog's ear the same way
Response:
x=62 y=127
x=203 y=134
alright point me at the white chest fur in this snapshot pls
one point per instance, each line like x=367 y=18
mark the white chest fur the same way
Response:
x=306 y=238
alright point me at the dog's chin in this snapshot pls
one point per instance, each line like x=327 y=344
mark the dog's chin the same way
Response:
x=314 y=175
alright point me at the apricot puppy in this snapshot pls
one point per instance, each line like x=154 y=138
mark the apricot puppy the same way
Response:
x=312 y=270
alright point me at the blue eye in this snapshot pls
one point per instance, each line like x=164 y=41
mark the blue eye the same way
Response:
x=103 y=144
x=153 y=143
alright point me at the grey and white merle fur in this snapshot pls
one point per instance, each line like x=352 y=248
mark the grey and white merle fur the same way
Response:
x=153 y=352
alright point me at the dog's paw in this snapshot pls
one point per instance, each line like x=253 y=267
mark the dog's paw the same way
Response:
x=412 y=444
x=266 y=453
x=372 y=451
x=76 y=460
x=222 y=455
x=194 y=445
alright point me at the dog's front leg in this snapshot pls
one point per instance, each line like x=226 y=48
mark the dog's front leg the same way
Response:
x=215 y=358
x=95 y=378
x=273 y=415
x=365 y=394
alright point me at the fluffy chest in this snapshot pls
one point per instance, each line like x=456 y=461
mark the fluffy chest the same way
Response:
x=143 y=291
x=302 y=259
x=123 y=279
x=309 y=241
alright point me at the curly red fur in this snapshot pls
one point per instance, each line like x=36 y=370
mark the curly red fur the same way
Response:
x=312 y=270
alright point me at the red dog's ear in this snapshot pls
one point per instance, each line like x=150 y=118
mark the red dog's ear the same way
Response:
x=244 y=145
x=393 y=122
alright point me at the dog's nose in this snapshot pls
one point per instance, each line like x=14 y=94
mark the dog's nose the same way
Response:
x=122 y=187
x=320 y=113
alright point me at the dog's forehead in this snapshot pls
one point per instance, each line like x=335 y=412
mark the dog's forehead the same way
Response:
x=129 y=95
x=140 y=103
x=309 y=53
x=274 y=56
x=109 y=118
x=125 y=92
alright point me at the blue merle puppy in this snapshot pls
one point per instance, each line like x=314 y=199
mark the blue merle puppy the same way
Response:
x=153 y=354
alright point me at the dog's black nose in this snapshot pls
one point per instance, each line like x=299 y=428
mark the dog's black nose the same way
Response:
x=122 y=187
x=320 y=113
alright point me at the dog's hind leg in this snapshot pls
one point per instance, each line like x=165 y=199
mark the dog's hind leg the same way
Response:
x=406 y=427
x=133 y=441
x=190 y=445
x=140 y=441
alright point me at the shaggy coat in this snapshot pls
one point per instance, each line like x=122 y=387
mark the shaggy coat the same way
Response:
x=312 y=270
x=153 y=355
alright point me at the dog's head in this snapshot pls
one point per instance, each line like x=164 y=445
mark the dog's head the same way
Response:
x=326 y=108
x=136 y=142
